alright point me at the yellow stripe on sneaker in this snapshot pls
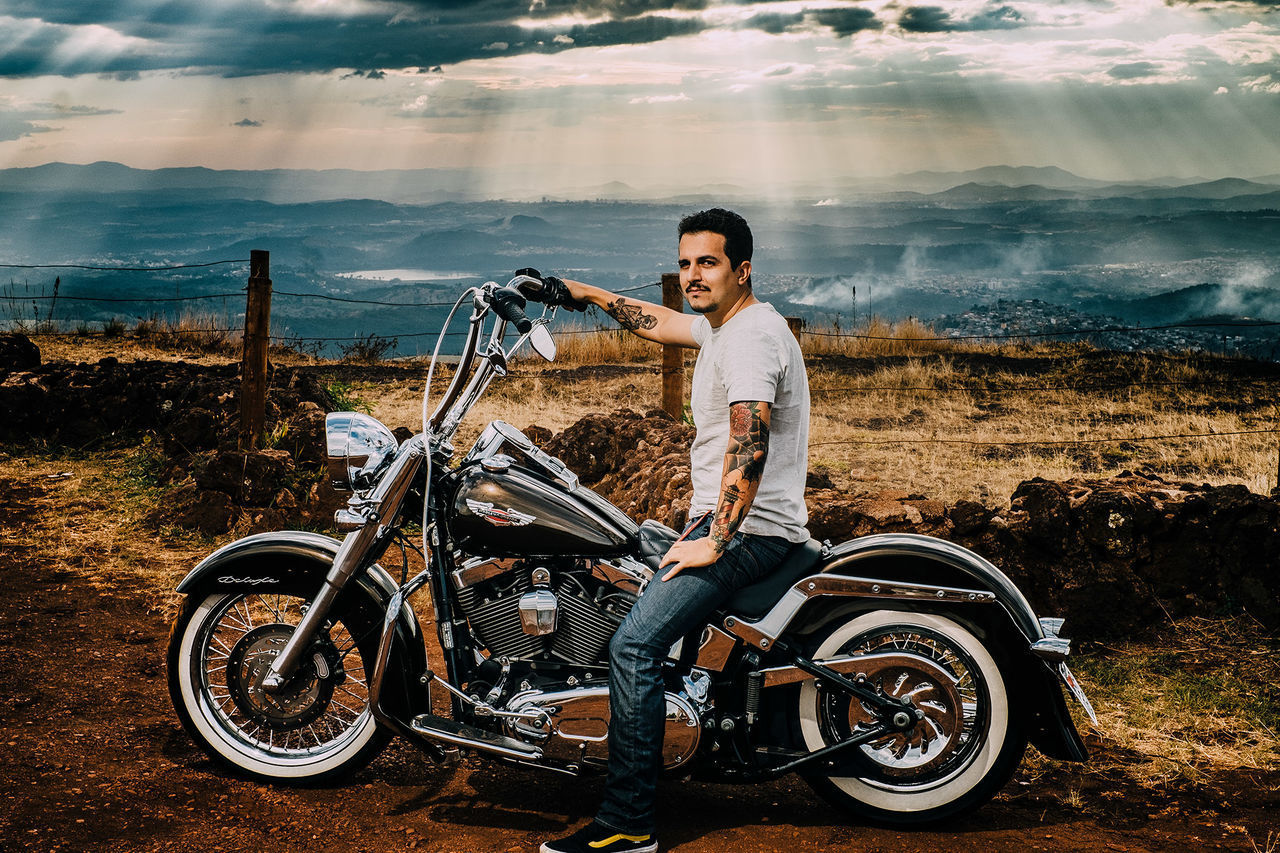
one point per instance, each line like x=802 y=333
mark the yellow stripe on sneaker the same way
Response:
x=605 y=842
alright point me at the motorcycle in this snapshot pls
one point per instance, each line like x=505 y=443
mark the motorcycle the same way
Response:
x=902 y=676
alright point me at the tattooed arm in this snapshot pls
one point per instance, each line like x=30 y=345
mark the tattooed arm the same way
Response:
x=649 y=321
x=743 y=467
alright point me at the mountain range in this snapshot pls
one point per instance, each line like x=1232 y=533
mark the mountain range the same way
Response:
x=991 y=183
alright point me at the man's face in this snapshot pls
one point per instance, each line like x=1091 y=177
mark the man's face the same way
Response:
x=709 y=282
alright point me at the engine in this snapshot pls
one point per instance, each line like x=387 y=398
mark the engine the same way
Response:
x=565 y=610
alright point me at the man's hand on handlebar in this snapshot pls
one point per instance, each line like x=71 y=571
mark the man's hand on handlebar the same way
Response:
x=553 y=292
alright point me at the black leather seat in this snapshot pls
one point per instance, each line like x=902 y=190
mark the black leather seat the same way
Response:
x=752 y=602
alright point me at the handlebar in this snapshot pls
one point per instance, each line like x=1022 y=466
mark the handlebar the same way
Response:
x=508 y=303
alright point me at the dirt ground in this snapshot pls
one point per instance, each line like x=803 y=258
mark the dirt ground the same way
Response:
x=92 y=758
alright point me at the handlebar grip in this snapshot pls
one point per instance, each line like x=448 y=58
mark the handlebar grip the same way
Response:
x=509 y=304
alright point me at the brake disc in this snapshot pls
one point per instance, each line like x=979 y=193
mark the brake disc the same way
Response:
x=302 y=699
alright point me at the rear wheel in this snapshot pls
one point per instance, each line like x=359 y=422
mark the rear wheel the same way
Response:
x=318 y=727
x=957 y=757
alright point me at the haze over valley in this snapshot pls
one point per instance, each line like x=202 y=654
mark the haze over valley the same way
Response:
x=930 y=245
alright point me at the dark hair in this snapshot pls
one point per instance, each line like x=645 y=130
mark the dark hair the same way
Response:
x=737 y=234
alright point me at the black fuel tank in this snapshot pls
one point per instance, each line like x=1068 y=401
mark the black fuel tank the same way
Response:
x=516 y=512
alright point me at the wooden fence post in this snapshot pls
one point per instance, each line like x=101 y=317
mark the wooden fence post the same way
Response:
x=672 y=356
x=257 y=334
x=796 y=325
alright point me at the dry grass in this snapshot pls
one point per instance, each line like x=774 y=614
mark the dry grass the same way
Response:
x=1205 y=695
x=575 y=347
x=935 y=426
x=194 y=338
x=1271 y=845
x=878 y=337
x=85 y=516
x=191 y=332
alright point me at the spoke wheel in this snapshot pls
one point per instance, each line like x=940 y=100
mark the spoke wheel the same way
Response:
x=318 y=726
x=959 y=754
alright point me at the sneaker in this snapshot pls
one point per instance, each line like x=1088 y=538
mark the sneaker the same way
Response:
x=598 y=838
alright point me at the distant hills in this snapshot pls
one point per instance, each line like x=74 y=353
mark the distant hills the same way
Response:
x=922 y=244
x=417 y=186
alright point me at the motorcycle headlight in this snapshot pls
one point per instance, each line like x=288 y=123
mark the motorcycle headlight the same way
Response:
x=359 y=447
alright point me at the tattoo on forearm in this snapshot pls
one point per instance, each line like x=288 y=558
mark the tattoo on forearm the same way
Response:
x=629 y=316
x=743 y=467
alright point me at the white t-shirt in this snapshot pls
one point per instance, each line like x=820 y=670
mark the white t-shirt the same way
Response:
x=753 y=356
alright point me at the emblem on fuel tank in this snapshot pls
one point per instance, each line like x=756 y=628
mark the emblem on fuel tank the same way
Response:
x=501 y=517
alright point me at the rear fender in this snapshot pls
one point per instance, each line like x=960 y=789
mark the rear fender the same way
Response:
x=1008 y=624
x=288 y=559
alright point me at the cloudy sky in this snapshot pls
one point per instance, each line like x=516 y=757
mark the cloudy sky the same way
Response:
x=650 y=92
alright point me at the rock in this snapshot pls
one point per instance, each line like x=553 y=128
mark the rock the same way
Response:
x=309 y=388
x=640 y=463
x=212 y=514
x=1119 y=557
x=819 y=478
x=17 y=354
x=837 y=516
x=261 y=521
x=969 y=517
x=192 y=431
x=539 y=435
x=249 y=478
x=303 y=435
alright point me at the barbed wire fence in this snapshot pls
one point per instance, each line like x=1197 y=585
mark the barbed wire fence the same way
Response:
x=255 y=334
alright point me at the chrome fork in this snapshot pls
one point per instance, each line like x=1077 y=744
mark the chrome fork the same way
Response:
x=380 y=507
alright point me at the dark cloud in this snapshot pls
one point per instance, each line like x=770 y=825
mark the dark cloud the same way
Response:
x=242 y=38
x=845 y=20
x=633 y=31
x=997 y=18
x=15 y=127
x=30 y=119
x=773 y=22
x=1133 y=70
x=247 y=122
x=926 y=19
x=612 y=8
x=935 y=19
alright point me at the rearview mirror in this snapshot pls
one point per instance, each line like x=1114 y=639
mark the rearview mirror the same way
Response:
x=543 y=344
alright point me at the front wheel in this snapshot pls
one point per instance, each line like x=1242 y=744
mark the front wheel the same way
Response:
x=318 y=727
x=960 y=754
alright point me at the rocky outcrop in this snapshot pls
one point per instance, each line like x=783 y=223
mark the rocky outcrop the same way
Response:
x=1116 y=557
x=639 y=462
x=193 y=411
x=1120 y=555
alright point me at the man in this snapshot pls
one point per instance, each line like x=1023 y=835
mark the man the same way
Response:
x=750 y=404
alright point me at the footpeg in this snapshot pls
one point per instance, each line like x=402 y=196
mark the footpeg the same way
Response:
x=460 y=734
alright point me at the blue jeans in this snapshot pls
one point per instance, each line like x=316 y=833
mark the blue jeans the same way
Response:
x=667 y=611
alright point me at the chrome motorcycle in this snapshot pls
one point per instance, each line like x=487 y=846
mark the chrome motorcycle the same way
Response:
x=901 y=675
